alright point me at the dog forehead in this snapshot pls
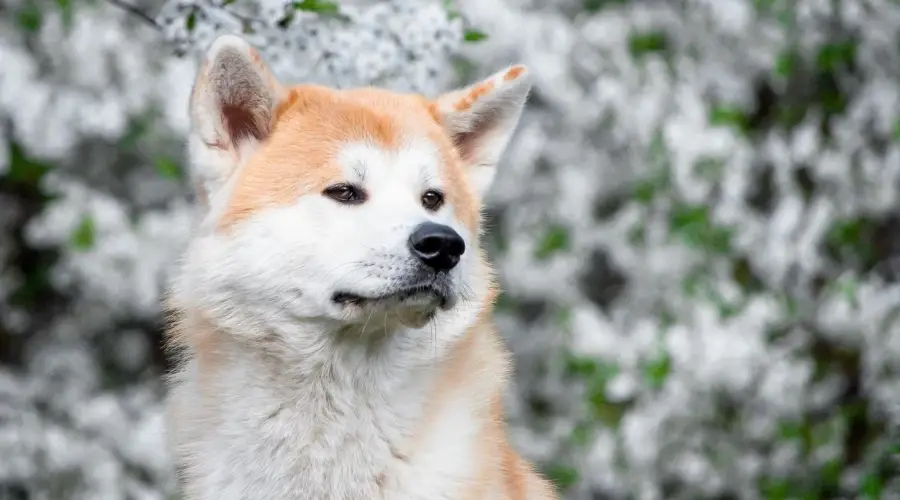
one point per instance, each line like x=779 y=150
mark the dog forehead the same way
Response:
x=414 y=162
x=386 y=142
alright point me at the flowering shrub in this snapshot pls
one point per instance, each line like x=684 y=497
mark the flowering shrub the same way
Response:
x=694 y=226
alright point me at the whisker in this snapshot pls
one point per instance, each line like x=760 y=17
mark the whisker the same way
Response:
x=371 y=313
x=433 y=324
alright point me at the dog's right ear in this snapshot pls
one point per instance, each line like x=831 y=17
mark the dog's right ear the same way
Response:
x=232 y=110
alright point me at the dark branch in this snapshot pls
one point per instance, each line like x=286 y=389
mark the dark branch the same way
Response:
x=131 y=9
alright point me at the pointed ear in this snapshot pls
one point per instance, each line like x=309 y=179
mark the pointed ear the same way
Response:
x=232 y=110
x=481 y=119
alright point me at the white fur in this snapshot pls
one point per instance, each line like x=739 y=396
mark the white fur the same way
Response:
x=322 y=423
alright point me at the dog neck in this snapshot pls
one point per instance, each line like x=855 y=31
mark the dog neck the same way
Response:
x=299 y=358
x=341 y=409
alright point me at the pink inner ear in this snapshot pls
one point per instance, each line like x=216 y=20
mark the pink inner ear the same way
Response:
x=468 y=142
x=242 y=123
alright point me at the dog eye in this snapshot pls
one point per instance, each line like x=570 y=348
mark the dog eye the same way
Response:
x=432 y=200
x=345 y=193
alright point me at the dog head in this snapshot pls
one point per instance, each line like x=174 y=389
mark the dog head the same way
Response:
x=339 y=205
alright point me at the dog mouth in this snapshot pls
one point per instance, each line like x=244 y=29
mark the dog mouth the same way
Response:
x=422 y=295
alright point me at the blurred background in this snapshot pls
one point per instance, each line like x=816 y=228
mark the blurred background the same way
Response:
x=695 y=225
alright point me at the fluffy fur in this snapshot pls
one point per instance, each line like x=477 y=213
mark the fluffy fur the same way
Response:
x=284 y=392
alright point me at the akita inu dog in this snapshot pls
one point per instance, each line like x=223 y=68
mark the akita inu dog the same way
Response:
x=332 y=312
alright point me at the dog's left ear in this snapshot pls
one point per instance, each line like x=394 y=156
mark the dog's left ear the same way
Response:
x=232 y=110
x=481 y=119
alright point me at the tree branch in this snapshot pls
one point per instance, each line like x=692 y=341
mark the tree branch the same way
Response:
x=131 y=9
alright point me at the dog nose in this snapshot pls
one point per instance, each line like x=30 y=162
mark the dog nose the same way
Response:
x=437 y=246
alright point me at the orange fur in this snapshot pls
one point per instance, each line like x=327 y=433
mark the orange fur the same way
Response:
x=311 y=124
x=513 y=73
x=474 y=94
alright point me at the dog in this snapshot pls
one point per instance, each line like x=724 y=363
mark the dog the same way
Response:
x=331 y=316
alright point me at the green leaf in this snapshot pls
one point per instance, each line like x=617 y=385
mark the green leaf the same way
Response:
x=790 y=430
x=585 y=367
x=775 y=489
x=833 y=56
x=742 y=272
x=657 y=370
x=168 y=169
x=36 y=282
x=597 y=374
x=787 y=63
x=830 y=473
x=605 y=411
x=763 y=5
x=30 y=18
x=556 y=239
x=82 y=238
x=317 y=6
x=645 y=191
x=581 y=434
x=65 y=6
x=849 y=241
x=597 y=5
x=727 y=116
x=191 y=21
x=563 y=476
x=23 y=169
x=791 y=115
x=641 y=44
x=871 y=487
x=847 y=232
x=472 y=36
x=692 y=224
x=227 y=2
x=580 y=366
x=833 y=100
x=452 y=13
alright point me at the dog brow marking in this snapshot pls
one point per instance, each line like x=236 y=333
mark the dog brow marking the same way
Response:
x=514 y=73
x=476 y=93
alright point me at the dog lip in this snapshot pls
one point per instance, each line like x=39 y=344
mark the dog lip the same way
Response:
x=400 y=294
x=347 y=298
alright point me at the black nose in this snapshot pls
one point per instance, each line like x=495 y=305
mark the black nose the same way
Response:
x=437 y=246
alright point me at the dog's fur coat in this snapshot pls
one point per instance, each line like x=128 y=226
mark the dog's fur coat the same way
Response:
x=284 y=390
